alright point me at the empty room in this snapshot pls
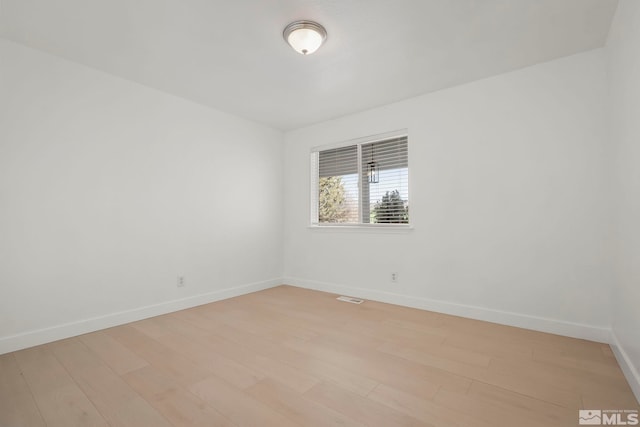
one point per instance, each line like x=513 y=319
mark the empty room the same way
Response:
x=319 y=213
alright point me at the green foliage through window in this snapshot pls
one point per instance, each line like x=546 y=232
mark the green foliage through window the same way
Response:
x=391 y=209
x=332 y=200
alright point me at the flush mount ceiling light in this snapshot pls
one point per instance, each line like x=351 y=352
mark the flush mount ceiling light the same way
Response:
x=305 y=37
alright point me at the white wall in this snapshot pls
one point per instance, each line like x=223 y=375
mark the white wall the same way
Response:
x=623 y=49
x=508 y=176
x=109 y=190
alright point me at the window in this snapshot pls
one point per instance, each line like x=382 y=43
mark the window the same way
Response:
x=361 y=183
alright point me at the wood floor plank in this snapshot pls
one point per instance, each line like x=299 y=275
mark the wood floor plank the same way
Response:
x=268 y=322
x=271 y=322
x=358 y=408
x=193 y=345
x=388 y=332
x=17 y=407
x=149 y=328
x=114 y=354
x=384 y=368
x=503 y=348
x=518 y=406
x=494 y=405
x=316 y=367
x=427 y=411
x=599 y=400
x=441 y=357
x=551 y=382
x=61 y=402
x=603 y=369
x=181 y=407
x=536 y=383
x=118 y=403
x=267 y=366
x=237 y=405
x=296 y=407
x=170 y=362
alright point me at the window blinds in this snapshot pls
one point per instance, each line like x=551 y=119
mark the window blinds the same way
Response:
x=337 y=187
x=341 y=191
x=387 y=200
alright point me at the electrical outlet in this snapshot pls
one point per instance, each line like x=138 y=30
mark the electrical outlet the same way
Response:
x=394 y=277
x=180 y=282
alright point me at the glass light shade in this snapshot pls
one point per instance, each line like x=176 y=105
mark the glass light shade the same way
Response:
x=305 y=41
x=305 y=37
x=373 y=173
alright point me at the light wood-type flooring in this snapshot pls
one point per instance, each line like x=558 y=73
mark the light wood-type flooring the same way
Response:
x=288 y=356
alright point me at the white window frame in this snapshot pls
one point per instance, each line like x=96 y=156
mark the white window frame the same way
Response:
x=314 y=182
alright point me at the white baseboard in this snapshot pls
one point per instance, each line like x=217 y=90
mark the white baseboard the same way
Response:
x=542 y=324
x=72 y=329
x=626 y=364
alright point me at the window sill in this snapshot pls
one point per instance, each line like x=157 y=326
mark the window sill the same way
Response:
x=386 y=229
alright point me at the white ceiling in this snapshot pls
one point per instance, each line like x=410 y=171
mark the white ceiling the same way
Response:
x=230 y=55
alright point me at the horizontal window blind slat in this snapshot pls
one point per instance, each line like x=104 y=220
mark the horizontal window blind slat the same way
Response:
x=388 y=154
x=338 y=161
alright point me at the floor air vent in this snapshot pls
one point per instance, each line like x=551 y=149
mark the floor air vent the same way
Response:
x=351 y=300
